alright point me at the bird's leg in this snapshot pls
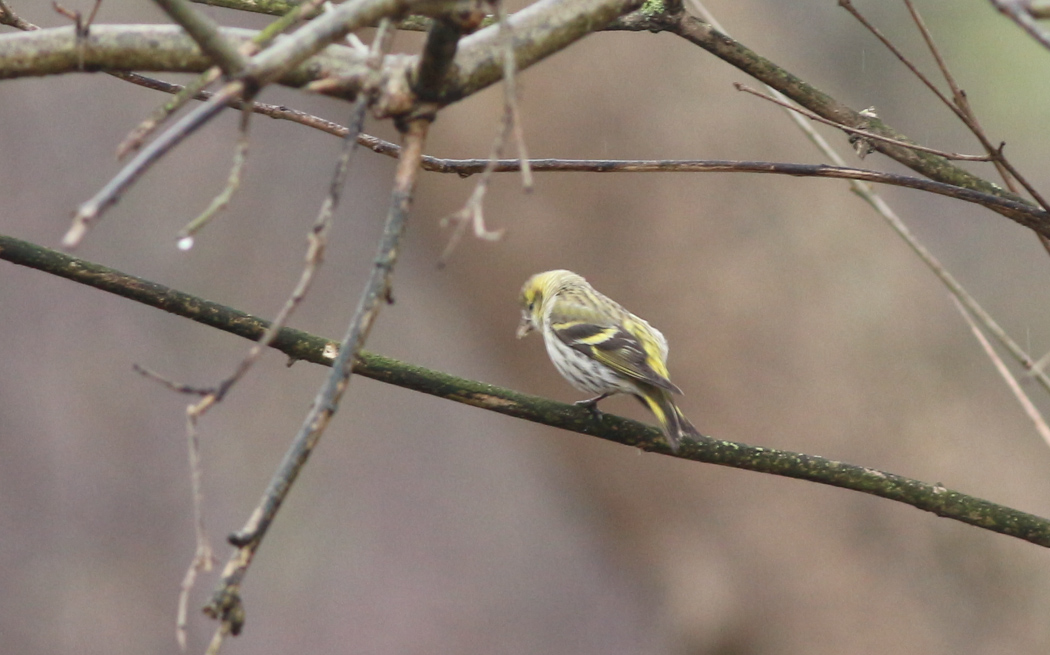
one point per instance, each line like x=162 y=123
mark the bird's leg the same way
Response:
x=592 y=404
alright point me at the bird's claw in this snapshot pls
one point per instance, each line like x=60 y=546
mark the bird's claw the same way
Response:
x=591 y=405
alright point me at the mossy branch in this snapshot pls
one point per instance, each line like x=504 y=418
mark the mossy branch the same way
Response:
x=301 y=345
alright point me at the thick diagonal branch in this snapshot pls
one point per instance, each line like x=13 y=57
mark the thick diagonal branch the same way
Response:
x=300 y=345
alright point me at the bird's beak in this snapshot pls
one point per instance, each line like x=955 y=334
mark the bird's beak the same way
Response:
x=525 y=326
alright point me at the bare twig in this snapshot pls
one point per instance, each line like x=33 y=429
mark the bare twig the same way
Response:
x=1029 y=408
x=204 y=555
x=472 y=213
x=90 y=211
x=1023 y=213
x=137 y=136
x=262 y=69
x=134 y=140
x=317 y=240
x=193 y=91
x=215 y=645
x=225 y=604
x=82 y=24
x=848 y=6
x=863 y=133
x=438 y=52
x=233 y=182
x=1021 y=13
x=329 y=27
x=959 y=104
x=177 y=387
x=510 y=95
x=10 y=18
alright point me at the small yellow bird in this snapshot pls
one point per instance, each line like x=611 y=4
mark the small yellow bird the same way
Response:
x=600 y=347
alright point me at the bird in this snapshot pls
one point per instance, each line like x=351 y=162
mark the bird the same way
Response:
x=601 y=348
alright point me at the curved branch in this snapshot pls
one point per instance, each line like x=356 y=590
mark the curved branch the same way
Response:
x=933 y=498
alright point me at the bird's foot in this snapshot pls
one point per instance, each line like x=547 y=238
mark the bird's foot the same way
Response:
x=591 y=404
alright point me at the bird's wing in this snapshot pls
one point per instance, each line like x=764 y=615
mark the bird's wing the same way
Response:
x=609 y=343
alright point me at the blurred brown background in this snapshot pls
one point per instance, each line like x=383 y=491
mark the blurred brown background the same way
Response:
x=796 y=320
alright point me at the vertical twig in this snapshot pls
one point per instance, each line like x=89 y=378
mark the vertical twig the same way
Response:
x=203 y=557
x=226 y=602
x=510 y=93
x=233 y=182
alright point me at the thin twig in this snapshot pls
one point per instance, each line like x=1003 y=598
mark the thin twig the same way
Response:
x=510 y=93
x=1020 y=12
x=138 y=135
x=472 y=212
x=177 y=387
x=204 y=555
x=863 y=133
x=215 y=645
x=467 y=167
x=10 y=18
x=317 y=241
x=278 y=112
x=226 y=604
x=262 y=69
x=1024 y=213
x=848 y=6
x=90 y=211
x=329 y=27
x=1015 y=388
x=233 y=182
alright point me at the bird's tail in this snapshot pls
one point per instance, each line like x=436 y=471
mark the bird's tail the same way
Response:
x=673 y=422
